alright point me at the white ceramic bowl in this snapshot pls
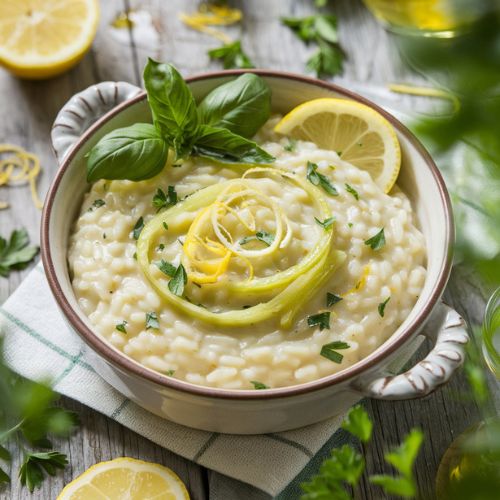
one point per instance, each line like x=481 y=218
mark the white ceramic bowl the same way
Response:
x=106 y=106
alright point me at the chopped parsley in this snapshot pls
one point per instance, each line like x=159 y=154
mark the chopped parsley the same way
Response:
x=350 y=224
x=325 y=224
x=292 y=144
x=139 y=226
x=376 y=242
x=96 y=204
x=352 y=191
x=161 y=246
x=321 y=319
x=263 y=236
x=329 y=351
x=332 y=299
x=162 y=200
x=165 y=226
x=169 y=373
x=317 y=179
x=166 y=268
x=152 y=321
x=179 y=279
x=381 y=307
x=258 y=385
x=122 y=327
x=135 y=256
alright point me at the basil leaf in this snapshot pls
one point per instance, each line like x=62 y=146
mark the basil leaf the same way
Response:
x=376 y=242
x=172 y=105
x=134 y=153
x=232 y=56
x=242 y=105
x=176 y=284
x=223 y=146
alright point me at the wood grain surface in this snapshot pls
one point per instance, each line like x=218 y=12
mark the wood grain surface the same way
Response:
x=28 y=110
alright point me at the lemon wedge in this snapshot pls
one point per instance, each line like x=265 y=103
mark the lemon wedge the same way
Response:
x=43 y=38
x=126 y=479
x=357 y=133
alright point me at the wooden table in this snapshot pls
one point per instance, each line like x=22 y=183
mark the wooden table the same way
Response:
x=28 y=110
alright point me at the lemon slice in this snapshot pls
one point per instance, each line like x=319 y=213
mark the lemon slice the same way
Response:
x=357 y=133
x=43 y=38
x=126 y=479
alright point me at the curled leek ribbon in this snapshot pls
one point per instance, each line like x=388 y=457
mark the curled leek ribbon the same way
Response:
x=207 y=207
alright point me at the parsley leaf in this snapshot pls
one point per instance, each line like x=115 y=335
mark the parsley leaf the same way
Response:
x=258 y=385
x=139 y=226
x=317 y=179
x=165 y=226
x=32 y=470
x=15 y=254
x=322 y=30
x=176 y=284
x=169 y=373
x=352 y=191
x=402 y=459
x=381 y=307
x=325 y=224
x=152 y=321
x=292 y=144
x=321 y=319
x=376 y=242
x=329 y=351
x=166 y=268
x=358 y=423
x=122 y=327
x=263 y=236
x=231 y=55
x=332 y=299
x=96 y=204
x=162 y=200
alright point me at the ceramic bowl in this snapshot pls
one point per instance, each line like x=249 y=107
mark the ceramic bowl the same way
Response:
x=108 y=105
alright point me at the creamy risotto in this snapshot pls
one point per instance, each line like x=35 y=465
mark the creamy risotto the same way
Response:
x=327 y=271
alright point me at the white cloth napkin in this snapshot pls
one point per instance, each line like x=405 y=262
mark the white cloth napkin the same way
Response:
x=40 y=346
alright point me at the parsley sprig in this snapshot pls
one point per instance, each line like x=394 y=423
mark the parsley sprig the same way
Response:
x=318 y=179
x=164 y=200
x=377 y=241
x=16 y=253
x=28 y=418
x=322 y=30
x=231 y=55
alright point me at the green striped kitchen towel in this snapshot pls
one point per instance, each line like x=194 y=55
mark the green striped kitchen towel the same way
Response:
x=40 y=345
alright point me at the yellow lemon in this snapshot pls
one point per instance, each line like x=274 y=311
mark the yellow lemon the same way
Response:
x=357 y=133
x=43 y=38
x=126 y=479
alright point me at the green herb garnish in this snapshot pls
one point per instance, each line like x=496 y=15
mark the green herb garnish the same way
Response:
x=376 y=242
x=352 y=191
x=381 y=307
x=263 y=236
x=329 y=351
x=139 y=226
x=31 y=472
x=165 y=226
x=358 y=423
x=176 y=284
x=169 y=373
x=322 y=30
x=325 y=224
x=122 y=327
x=292 y=144
x=259 y=385
x=332 y=299
x=314 y=177
x=166 y=268
x=219 y=128
x=96 y=204
x=231 y=55
x=321 y=319
x=16 y=254
x=152 y=321
x=162 y=200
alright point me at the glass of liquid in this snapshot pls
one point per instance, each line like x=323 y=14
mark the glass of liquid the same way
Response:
x=429 y=18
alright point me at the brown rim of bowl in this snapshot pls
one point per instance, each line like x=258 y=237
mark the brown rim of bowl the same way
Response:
x=121 y=361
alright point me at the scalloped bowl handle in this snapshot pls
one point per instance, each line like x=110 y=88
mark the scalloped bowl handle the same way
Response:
x=84 y=109
x=449 y=330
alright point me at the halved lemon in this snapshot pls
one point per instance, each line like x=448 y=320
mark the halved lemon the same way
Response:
x=43 y=38
x=357 y=133
x=126 y=479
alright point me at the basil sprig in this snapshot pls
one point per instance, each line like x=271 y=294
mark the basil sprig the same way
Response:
x=218 y=129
